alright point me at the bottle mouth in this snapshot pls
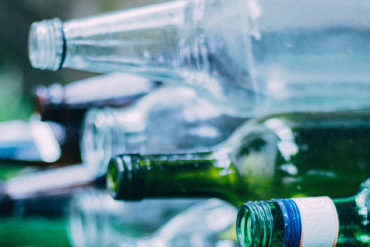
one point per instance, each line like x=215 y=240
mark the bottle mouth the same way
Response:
x=254 y=225
x=121 y=178
x=115 y=168
x=46 y=48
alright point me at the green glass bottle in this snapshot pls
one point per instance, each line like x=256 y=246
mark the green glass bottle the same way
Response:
x=311 y=221
x=286 y=155
x=34 y=221
x=34 y=231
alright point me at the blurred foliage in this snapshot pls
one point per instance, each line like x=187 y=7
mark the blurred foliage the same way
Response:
x=17 y=77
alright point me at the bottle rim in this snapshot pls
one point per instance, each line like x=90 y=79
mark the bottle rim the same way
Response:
x=46 y=46
x=122 y=177
x=254 y=224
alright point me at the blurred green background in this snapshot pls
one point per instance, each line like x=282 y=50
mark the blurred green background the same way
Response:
x=17 y=78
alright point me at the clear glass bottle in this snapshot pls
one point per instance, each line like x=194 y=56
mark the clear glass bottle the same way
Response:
x=286 y=155
x=248 y=56
x=167 y=120
x=64 y=107
x=30 y=142
x=64 y=103
x=98 y=220
x=50 y=183
x=311 y=221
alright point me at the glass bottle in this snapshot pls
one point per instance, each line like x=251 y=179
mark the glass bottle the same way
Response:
x=63 y=103
x=98 y=220
x=50 y=183
x=64 y=107
x=285 y=155
x=34 y=207
x=95 y=219
x=167 y=120
x=195 y=227
x=247 y=56
x=311 y=221
x=36 y=221
x=30 y=141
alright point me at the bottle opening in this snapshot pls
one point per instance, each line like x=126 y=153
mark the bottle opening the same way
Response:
x=113 y=174
x=254 y=225
x=46 y=44
x=122 y=177
x=245 y=232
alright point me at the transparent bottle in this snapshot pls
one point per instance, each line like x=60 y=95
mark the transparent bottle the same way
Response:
x=302 y=154
x=67 y=103
x=31 y=142
x=55 y=182
x=311 y=221
x=98 y=220
x=167 y=120
x=65 y=106
x=245 y=55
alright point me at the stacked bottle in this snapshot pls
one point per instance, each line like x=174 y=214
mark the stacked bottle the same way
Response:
x=276 y=156
x=167 y=120
x=247 y=56
x=303 y=66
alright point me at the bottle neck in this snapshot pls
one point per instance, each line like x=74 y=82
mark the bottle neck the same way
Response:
x=203 y=174
x=110 y=132
x=319 y=221
x=150 y=28
x=49 y=183
x=96 y=143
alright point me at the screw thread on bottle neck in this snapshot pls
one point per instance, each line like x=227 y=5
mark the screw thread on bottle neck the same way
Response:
x=46 y=48
x=255 y=224
x=261 y=223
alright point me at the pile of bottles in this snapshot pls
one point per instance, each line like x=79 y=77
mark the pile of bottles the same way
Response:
x=203 y=107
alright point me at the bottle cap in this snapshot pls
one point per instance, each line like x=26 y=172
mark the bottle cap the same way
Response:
x=46 y=44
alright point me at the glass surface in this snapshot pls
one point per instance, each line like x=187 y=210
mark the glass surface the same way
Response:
x=316 y=52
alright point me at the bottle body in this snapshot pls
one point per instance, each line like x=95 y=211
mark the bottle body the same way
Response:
x=146 y=223
x=50 y=183
x=168 y=120
x=66 y=106
x=311 y=221
x=287 y=154
x=309 y=56
x=20 y=142
x=63 y=103
x=243 y=55
x=94 y=211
